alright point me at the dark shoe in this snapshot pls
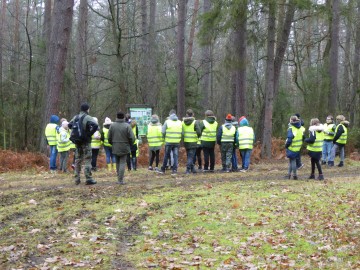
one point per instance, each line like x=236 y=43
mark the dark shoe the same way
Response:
x=312 y=176
x=341 y=164
x=121 y=182
x=205 y=170
x=94 y=169
x=321 y=177
x=228 y=171
x=288 y=176
x=323 y=162
x=193 y=170
x=199 y=168
x=150 y=168
x=90 y=182
x=295 y=177
x=331 y=163
x=77 y=181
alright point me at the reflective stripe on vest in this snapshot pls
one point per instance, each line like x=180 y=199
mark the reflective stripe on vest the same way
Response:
x=63 y=146
x=297 y=140
x=318 y=144
x=50 y=133
x=328 y=128
x=173 y=131
x=246 y=137
x=209 y=132
x=343 y=137
x=190 y=135
x=228 y=134
x=106 y=137
x=95 y=143
x=154 y=136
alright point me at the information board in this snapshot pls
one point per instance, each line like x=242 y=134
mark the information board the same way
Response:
x=142 y=117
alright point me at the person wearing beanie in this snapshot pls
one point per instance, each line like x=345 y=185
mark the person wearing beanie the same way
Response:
x=63 y=145
x=226 y=137
x=234 y=157
x=83 y=151
x=339 y=141
x=110 y=158
x=155 y=141
x=299 y=164
x=191 y=134
x=121 y=137
x=293 y=145
x=329 y=131
x=171 y=131
x=208 y=128
x=246 y=139
x=315 y=146
x=51 y=131
x=95 y=146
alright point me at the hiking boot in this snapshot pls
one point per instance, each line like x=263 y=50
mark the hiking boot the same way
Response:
x=200 y=168
x=295 y=177
x=312 y=176
x=150 y=168
x=288 y=176
x=77 y=181
x=321 y=177
x=330 y=163
x=341 y=164
x=120 y=182
x=90 y=182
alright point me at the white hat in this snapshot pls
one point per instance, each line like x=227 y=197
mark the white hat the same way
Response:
x=107 y=121
x=64 y=124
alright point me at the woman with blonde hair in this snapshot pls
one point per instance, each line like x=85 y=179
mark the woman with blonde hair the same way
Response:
x=315 y=145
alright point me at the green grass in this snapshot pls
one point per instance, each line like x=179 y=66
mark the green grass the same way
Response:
x=233 y=221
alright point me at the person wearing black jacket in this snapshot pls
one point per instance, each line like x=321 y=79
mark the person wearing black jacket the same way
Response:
x=340 y=140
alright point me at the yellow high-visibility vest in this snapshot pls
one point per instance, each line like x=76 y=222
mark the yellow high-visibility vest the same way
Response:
x=297 y=140
x=328 y=128
x=50 y=133
x=63 y=146
x=343 y=137
x=209 y=132
x=173 y=131
x=246 y=137
x=106 y=137
x=154 y=136
x=318 y=144
x=228 y=134
x=189 y=133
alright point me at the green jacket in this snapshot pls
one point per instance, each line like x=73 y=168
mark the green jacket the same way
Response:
x=89 y=125
x=121 y=137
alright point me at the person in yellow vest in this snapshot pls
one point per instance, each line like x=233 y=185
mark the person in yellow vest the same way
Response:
x=234 y=158
x=155 y=141
x=299 y=164
x=95 y=146
x=226 y=137
x=191 y=134
x=246 y=141
x=315 y=146
x=293 y=145
x=51 y=131
x=63 y=145
x=131 y=159
x=340 y=140
x=110 y=158
x=171 y=131
x=208 y=128
x=329 y=131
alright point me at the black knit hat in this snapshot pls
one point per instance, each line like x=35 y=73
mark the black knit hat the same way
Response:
x=84 y=107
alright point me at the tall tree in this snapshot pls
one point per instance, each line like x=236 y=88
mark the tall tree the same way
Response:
x=80 y=56
x=59 y=42
x=2 y=23
x=181 y=58
x=334 y=55
x=192 y=31
x=266 y=148
x=152 y=88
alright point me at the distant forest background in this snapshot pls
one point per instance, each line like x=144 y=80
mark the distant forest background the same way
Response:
x=266 y=59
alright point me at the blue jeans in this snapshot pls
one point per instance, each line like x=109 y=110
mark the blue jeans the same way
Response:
x=110 y=158
x=175 y=150
x=245 y=154
x=234 y=159
x=53 y=154
x=190 y=154
x=326 y=151
x=334 y=150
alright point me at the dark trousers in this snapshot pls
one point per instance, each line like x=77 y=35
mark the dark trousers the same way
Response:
x=198 y=156
x=190 y=154
x=95 y=153
x=175 y=151
x=154 y=155
x=315 y=161
x=209 y=155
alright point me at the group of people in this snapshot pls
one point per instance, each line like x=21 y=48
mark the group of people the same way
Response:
x=323 y=143
x=199 y=137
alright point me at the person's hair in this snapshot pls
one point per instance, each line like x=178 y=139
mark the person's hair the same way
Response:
x=120 y=115
x=314 y=122
x=330 y=117
x=172 y=111
x=340 y=118
x=189 y=113
x=209 y=113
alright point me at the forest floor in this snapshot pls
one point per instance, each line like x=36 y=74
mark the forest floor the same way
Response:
x=253 y=220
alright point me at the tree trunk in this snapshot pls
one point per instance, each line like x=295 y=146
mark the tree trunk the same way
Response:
x=345 y=95
x=192 y=31
x=334 y=56
x=206 y=59
x=266 y=149
x=60 y=37
x=144 y=52
x=153 y=89
x=181 y=59
x=80 y=56
x=2 y=23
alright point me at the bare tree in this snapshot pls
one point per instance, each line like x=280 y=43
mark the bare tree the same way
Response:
x=181 y=58
x=2 y=23
x=192 y=31
x=266 y=148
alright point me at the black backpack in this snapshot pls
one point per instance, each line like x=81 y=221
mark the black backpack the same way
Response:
x=78 y=135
